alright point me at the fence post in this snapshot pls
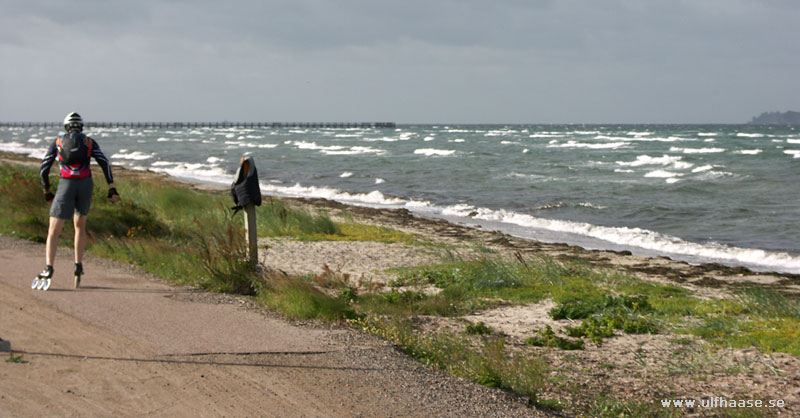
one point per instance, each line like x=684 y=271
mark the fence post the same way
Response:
x=252 y=235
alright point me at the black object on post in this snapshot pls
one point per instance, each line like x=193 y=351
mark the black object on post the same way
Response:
x=245 y=189
x=246 y=194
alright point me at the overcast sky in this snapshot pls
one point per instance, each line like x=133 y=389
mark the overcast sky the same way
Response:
x=412 y=61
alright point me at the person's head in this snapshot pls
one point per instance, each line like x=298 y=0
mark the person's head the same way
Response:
x=73 y=121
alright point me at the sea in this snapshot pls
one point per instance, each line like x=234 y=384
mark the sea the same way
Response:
x=698 y=193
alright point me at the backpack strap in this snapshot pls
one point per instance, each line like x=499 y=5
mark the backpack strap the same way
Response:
x=89 y=143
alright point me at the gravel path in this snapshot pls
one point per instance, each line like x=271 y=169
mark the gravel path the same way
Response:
x=127 y=345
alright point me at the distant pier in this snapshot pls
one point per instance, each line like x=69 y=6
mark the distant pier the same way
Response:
x=163 y=125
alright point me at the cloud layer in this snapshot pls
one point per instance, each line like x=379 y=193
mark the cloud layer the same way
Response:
x=415 y=61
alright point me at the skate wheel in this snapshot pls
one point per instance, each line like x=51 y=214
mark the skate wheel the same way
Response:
x=77 y=281
x=35 y=283
x=41 y=284
x=46 y=284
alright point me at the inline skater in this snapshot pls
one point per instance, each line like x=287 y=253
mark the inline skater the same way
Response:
x=74 y=151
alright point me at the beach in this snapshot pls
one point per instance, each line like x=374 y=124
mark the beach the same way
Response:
x=635 y=368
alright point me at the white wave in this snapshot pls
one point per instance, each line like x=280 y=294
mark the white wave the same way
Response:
x=242 y=144
x=346 y=174
x=575 y=144
x=709 y=140
x=384 y=139
x=428 y=138
x=793 y=141
x=658 y=139
x=34 y=140
x=746 y=135
x=665 y=160
x=545 y=135
x=19 y=148
x=707 y=134
x=525 y=151
x=136 y=155
x=697 y=150
x=793 y=152
x=163 y=139
x=459 y=140
x=702 y=168
x=585 y=132
x=431 y=152
x=639 y=133
x=314 y=146
x=164 y=163
x=613 y=138
x=643 y=238
x=372 y=198
x=379 y=180
x=749 y=151
x=458 y=131
x=510 y=143
x=348 y=135
x=213 y=160
x=354 y=151
x=672 y=180
x=198 y=171
x=663 y=174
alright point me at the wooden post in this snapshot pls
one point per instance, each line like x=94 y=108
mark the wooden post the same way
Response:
x=252 y=235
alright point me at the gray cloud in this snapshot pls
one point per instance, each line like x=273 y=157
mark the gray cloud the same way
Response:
x=414 y=61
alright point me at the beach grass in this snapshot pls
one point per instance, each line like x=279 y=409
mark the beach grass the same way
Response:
x=190 y=237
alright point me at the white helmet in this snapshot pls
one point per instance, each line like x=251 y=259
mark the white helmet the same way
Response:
x=73 y=121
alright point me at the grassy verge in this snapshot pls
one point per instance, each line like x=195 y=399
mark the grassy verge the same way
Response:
x=189 y=237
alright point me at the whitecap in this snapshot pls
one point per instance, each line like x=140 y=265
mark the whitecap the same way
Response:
x=697 y=150
x=431 y=152
x=746 y=135
x=749 y=151
x=346 y=174
x=662 y=174
x=575 y=144
x=379 y=180
x=793 y=152
x=545 y=135
x=213 y=160
x=136 y=155
x=702 y=168
x=664 y=160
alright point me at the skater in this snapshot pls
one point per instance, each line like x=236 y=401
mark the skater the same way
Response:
x=74 y=151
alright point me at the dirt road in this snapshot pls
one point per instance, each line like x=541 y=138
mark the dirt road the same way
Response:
x=127 y=345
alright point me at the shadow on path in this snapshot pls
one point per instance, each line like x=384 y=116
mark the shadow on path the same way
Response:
x=122 y=290
x=205 y=363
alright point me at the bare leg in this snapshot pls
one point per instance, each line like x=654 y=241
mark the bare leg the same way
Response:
x=80 y=237
x=56 y=225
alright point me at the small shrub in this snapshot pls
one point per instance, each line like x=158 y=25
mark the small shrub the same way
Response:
x=478 y=329
x=349 y=294
x=548 y=338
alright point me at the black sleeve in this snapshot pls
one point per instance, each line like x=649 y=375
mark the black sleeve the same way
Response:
x=47 y=162
x=102 y=161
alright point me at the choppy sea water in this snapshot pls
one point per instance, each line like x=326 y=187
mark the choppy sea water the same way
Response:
x=721 y=193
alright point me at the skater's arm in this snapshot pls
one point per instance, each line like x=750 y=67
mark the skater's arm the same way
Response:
x=102 y=161
x=47 y=162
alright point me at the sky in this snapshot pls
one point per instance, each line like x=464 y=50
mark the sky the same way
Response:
x=412 y=61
